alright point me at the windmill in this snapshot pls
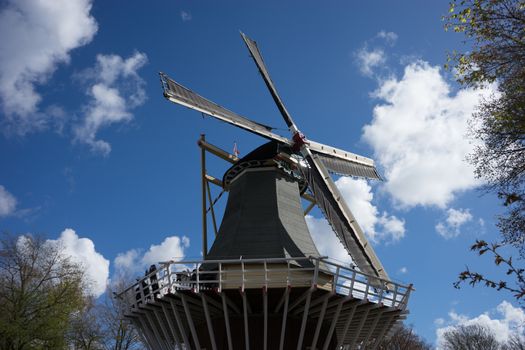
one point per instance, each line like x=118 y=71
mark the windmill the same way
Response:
x=263 y=283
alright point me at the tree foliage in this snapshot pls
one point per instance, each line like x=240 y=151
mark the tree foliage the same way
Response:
x=404 y=338
x=476 y=337
x=119 y=334
x=515 y=281
x=471 y=337
x=494 y=31
x=39 y=289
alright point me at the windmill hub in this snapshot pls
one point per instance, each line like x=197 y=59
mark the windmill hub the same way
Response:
x=299 y=140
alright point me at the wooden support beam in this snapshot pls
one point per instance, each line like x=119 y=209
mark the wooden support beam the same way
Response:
x=204 y=205
x=382 y=333
x=359 y=328
x=265 y=312
x=213 y=180
x=217 y=151
x=373 y=327
x=182 y=330
x=281 y=301
x=208 y=321
x=285 y=314
x=142 y=336
x=333 y=324
x=245 y=310
x=347 y=324
x=319 y=324
x=305 y=318
x=171 y=325
x=211 y=208
x=189 y=318
x=309 y=208
x=227 y=321
x=162 y=324
x=156 y=333
x=151 y=338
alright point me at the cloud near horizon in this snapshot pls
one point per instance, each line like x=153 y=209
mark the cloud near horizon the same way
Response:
x=134 y=261
x=503 y=322
x=82 y=250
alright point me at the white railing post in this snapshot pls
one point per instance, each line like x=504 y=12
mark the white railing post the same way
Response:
x=288 y=282
x=198 y=277
x=367 y=288
x=352 y=282
x=265 y=275
x=394 y=298
x=316 y=273
x=383 y=287
x=242 y=268
x=220 y=277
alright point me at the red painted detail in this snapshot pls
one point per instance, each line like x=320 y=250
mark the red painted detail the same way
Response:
x=298 y=141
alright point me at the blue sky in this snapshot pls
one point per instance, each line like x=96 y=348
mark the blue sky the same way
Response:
x=92 y=154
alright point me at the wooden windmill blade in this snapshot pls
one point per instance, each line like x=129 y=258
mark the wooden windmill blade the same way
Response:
x=322 y=186
x=344 y=163
x=340 y=218
x=183 y=96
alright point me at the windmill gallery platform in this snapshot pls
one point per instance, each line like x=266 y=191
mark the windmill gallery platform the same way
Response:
x=264 y=304
x=263 y=284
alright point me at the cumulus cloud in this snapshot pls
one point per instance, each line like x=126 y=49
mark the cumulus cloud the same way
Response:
x=135 y=260
x=7 y=202
x=185 y=16
x=325 y=239
x=82 y=251
x=35 y=37
x=389 y=37
x=456 y=218
x=378 y=227
x=505 y=321
x=115 y=90
x=370 y=59
x=419 y=136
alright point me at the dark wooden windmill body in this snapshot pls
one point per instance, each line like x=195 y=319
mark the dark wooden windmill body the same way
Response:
x=263 y=284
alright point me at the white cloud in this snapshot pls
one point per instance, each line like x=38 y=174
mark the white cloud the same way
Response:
x=172 y=248
x=134 y=261
x=419 y=136
x=117 y=88
x=455 y=219
x=504 y=322
x=326 y=241
x=370 y=59
x=378 y=228
x=7 y=202
x=35 y=37
x=358 y=195
x=82 y=250
x=403 y=270
x=126 y=261
x=185 y=16
x=389 y=37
